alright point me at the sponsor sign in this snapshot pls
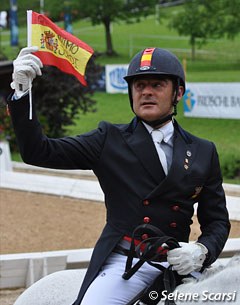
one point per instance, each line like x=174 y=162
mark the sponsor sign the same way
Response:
x=115 y=82
x=212 y=100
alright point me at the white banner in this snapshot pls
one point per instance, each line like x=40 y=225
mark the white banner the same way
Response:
x=212 y=100
x=114 y=79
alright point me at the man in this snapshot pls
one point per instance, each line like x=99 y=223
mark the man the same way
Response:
x=145 y=180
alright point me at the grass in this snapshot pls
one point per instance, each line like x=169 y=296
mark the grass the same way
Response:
x=113 y=108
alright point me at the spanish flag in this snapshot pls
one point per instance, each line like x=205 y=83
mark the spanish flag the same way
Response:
x=57 y=47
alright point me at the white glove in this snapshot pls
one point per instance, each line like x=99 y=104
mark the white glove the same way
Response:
x=25 y=68
x=188 y=258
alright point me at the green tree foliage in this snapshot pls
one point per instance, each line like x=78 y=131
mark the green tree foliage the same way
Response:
x=107 y=11
x=204 y=19
x=193 y=21
x=230 y=21
x=230 y=166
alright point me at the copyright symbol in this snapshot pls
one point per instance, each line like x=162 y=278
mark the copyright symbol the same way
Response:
x=153 y=295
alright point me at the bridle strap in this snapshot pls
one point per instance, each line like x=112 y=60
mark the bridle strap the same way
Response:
x=151 y=247
x=150 y=253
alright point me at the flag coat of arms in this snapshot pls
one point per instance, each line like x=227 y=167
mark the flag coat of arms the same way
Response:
x=57 y=47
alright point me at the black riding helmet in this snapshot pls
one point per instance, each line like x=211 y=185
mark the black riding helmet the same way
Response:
x=156 y=61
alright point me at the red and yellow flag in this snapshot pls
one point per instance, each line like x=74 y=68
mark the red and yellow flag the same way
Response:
x=57 y=47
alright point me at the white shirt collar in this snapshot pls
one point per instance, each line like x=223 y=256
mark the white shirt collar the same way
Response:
x=167 y=131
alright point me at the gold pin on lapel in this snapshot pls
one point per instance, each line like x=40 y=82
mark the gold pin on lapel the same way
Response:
x=186 y=161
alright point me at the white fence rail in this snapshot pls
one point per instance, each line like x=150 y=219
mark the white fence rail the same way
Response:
x=22 y=270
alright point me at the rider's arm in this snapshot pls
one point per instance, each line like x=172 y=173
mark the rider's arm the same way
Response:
x=80 y=152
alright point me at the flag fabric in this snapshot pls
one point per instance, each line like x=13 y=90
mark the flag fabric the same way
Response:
x=57 y=47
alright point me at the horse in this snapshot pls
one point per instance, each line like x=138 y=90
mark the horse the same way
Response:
x=218 y=284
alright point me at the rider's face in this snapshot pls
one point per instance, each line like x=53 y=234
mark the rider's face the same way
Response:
x=153 y=97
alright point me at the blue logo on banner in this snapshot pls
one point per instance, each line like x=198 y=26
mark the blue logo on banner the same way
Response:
x=116 y=78
x=188 y=101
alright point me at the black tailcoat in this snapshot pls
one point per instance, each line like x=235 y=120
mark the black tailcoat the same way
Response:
x=125 y=160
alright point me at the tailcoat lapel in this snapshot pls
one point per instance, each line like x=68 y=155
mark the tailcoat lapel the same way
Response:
x=140 y=142
x=184 y=152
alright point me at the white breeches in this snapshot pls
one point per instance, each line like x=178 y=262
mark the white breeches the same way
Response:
x=109 y=288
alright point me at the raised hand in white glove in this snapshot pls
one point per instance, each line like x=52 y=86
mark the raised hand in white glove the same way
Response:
x=188 y=258
x=25 y=68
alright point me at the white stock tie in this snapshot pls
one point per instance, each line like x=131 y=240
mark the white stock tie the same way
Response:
x=157 y=136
